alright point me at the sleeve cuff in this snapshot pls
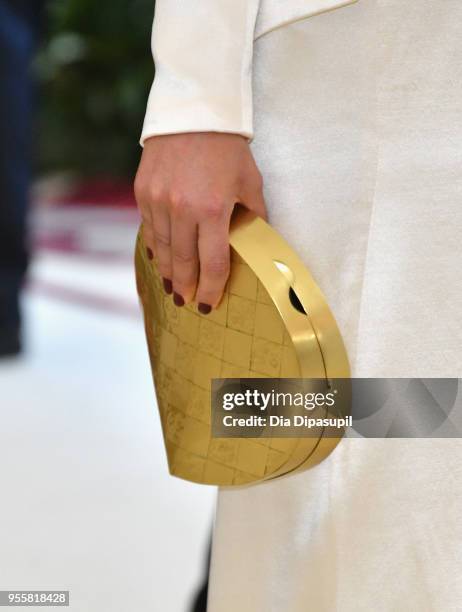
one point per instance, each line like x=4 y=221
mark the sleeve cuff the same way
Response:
x=203 y=58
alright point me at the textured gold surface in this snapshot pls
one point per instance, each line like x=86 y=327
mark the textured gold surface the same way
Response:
x=255 y=332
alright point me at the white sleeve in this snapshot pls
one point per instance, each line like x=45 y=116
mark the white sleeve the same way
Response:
x=202 y=52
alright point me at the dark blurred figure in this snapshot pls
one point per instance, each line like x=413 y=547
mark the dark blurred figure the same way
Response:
x=19 y=25
x=200 y=599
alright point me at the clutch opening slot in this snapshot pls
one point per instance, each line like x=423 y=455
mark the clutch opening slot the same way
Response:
x=290 y=278
x=293 y=297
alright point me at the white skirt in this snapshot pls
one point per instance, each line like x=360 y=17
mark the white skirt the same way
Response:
x=358 y=123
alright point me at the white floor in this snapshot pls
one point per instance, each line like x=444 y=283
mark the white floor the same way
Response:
x=86 y=501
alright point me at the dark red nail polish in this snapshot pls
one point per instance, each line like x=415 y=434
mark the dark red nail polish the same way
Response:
x=204 y=308
x=149 y=252
x=177 y=299
x=167 y=285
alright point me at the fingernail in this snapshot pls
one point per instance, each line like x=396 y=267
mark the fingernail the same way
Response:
x=149 y=252
x=167 y=285
x=204 y=308
x=177 y=299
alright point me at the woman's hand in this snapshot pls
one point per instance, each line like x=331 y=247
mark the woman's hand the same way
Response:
x=186 y=188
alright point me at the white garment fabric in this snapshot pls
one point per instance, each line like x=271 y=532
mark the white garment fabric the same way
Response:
x=274 y=14
x=358 y=132
x=202 y=51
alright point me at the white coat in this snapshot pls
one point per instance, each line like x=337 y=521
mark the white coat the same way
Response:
x=203 y=55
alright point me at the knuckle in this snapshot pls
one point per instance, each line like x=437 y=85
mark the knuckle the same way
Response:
x=179 y=203
x=217 y=267
x=161 y=237
x=147 y=193
x=155 y=193
x=183 y=257
x=213 y=208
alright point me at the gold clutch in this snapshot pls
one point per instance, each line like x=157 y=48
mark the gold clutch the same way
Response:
x=273 y=321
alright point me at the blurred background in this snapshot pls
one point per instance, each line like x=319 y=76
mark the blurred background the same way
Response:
x=87 y=504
